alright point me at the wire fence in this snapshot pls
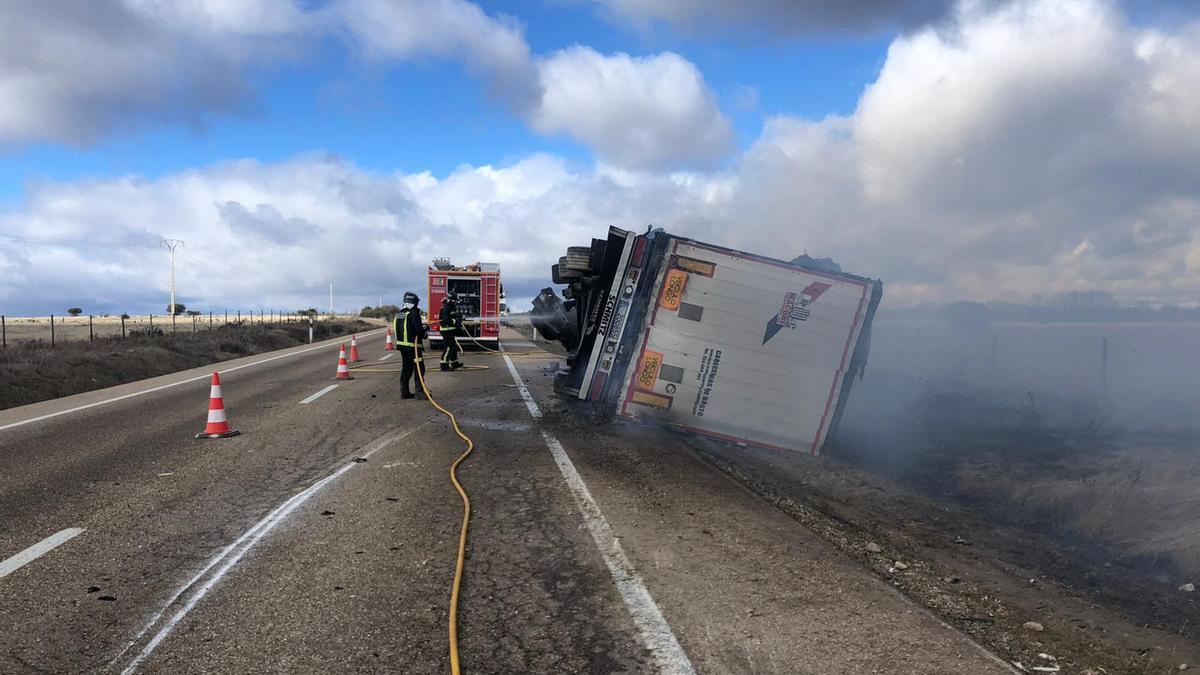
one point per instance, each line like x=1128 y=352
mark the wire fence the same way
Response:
x=55 y=329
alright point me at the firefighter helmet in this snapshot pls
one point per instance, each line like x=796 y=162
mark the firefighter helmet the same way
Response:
x=411 y=298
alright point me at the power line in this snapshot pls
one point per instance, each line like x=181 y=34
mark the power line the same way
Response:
x=77 y=242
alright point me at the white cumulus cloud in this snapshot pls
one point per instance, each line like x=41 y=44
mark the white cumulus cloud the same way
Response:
x=642 y=112
x=390 y=30
x=1036 y=147
x=779 y=16
x=77 y=72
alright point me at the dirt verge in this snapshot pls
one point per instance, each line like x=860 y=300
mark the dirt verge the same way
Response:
x=34 y=371
x=1095 y=612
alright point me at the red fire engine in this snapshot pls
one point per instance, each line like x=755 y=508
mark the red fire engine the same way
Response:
x=479 y=294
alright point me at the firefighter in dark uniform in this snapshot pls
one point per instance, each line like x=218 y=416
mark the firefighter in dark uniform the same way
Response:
x=450 y=323
x=410 y=342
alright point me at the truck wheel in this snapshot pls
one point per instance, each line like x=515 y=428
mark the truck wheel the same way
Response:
x=576 y=263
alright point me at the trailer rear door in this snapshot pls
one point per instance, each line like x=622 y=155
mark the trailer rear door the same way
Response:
x=745 y=348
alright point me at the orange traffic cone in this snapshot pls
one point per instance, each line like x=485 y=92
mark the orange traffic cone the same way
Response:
x=354 y=358
x=218 y=426
x=343 y=371
x=389 y=345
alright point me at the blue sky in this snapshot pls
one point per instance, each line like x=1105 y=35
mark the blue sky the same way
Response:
x=947 y=147
x=434 y=114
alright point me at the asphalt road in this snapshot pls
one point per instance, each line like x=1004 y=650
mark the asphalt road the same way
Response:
x=323 y=538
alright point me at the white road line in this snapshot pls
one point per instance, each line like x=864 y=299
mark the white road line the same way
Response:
x=168 y=386
x=387 y=356
x=653 y=629
x=318 y=395
x=38 y=550
x=239 y=548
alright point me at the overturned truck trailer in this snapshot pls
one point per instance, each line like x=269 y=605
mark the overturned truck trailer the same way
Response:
x=709 y=340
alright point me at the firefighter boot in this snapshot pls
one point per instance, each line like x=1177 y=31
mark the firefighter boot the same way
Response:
x=456 y=365
x=406 y=394
x=445 y=367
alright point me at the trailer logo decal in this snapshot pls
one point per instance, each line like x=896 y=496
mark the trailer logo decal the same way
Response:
x=648 y=371
x=672 y=293
x=794 y=309
x=595 y=320
x=606 y=319
x=706 y=377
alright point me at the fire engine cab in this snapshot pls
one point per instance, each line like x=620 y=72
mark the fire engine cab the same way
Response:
x=479 y=293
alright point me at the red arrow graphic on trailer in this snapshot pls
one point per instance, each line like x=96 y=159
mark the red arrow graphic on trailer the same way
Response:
x=794 y=309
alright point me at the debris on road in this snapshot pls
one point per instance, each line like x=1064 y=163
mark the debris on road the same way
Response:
x=874 y=548
x=899 y=565
x=1034 y=626
x=1188 y=587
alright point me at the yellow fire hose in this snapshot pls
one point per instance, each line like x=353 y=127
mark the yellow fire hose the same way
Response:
x=466 y=519
x=459 y=564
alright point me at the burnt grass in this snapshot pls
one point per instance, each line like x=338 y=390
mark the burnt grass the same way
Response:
x=1005 y=514
x=35 y=371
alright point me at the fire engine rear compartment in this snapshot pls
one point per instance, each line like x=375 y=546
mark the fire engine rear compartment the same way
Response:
x=479 y=292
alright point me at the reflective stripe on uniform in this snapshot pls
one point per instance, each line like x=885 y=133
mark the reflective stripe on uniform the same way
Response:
x=400 y=328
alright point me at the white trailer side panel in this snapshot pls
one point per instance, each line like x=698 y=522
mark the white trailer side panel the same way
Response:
x=749 y=349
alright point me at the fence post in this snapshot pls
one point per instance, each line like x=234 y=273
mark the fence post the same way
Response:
x=239 y=317
x=193 y=323
x=1104 y=364
x=4 y=330
x=210 y=320
x=122 y=325
x=91 y=333
x=226 y=318
x=150 y=332
x=51 y=330
x=172 y=323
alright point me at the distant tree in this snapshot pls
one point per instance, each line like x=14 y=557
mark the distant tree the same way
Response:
x=124 y=316
x=381 y=312
x=193 y=312
x=311 y=311
x=75 y=311
x=968 y=317
x=177 y=309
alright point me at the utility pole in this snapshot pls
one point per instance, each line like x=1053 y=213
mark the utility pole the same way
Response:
x=171 y=245
x=331 y=316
